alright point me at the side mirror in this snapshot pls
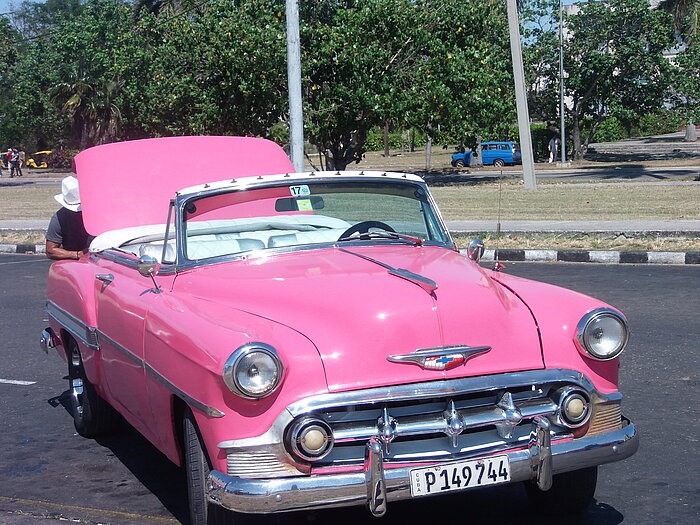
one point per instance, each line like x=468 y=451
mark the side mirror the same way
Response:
x=475 y=250
x=148 y=266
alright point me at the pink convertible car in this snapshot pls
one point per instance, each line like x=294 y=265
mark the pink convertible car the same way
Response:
x=315 y=340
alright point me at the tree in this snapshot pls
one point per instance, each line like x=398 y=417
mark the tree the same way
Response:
x=614 y=61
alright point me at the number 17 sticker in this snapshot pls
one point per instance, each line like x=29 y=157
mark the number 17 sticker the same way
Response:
x=300 y=191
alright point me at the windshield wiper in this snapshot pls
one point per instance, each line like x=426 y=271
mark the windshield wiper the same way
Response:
x=383 y=234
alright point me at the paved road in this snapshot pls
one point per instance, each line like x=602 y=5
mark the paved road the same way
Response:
x=47 y=470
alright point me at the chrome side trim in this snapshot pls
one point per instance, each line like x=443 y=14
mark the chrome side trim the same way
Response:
x=74 y=326
x=194 y=403
x=440 y=388
x=128 y=353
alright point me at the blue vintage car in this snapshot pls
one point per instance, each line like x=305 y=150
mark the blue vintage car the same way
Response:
x=494 y=153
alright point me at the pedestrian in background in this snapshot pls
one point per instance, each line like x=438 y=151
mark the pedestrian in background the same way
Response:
x=66 y=237
x=15 y=169
x=553 y=146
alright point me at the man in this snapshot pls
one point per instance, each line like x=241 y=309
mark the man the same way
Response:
x=66 y=237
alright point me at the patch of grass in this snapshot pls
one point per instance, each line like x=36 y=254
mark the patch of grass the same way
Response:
x=569 y=202
x=23 y=237
x=27 y=202
x=582 y=242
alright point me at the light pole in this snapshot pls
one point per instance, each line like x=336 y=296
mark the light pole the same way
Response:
x=521 y=97
x=296 y=119
x=562 y=109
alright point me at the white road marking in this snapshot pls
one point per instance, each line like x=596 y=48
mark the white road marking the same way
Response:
x=15 y=382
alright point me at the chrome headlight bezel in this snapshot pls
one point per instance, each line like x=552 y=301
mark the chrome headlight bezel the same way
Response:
x=583 y=334
x=230 y=371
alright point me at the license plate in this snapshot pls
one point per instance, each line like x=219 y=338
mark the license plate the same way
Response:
x=460 y=475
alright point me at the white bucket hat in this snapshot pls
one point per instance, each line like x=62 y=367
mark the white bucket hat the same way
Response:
x=70 y=194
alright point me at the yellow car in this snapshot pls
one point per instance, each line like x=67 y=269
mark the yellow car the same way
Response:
x=38 y=159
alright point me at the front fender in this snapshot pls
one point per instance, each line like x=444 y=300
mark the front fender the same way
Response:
x=187 y=342
x=557 y=312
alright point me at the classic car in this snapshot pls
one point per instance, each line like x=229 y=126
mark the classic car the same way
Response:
x=315 y=340
x=493 y=154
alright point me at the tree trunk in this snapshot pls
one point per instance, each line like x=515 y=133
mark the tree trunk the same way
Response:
x=576 y=137
x=412 y=140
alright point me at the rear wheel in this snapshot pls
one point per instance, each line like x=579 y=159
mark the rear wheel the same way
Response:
x=571 y=492
x=498 y=163
x=459 y=163
x=197 y=469
x=92 y=415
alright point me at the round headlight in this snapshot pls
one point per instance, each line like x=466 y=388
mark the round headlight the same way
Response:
x=253 y=370
x=602 y=333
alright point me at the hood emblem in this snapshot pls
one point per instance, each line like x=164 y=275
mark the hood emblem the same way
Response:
x=440 y=358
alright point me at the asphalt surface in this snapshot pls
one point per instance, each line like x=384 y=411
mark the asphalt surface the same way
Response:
x=49 y=473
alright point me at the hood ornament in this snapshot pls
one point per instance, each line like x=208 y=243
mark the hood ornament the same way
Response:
x=440 y=358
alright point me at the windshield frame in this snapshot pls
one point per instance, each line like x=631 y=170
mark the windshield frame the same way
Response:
x=182 y=201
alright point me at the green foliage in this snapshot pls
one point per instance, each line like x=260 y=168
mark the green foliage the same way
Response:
x=613 y=57
x=610 y=130
x=103 y=70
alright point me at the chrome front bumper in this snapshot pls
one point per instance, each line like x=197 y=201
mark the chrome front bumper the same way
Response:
x=377 y=485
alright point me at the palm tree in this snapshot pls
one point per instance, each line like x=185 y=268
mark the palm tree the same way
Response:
x=89 y=104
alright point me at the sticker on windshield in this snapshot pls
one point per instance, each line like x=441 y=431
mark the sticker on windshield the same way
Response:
x=300 y=191
x=304 y=205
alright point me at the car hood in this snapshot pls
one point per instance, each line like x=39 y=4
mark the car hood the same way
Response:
x=126 y=184
x=357 y=314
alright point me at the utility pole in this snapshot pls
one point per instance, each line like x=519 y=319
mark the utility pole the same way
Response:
x=562 y=109
x=296 y=118
x=521 y=97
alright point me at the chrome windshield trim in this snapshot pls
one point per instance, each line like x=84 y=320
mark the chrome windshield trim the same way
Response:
x=74 y=326
x=434 y=389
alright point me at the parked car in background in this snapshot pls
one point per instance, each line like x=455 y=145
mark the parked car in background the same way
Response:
x=38 y=159
x=493 y=154
x=312 y=340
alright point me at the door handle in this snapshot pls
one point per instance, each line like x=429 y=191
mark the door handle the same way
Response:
x=105 y=277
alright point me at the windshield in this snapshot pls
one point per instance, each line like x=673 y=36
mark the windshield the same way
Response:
x=307 y=214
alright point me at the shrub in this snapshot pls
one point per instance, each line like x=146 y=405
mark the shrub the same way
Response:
x=61 y=158
x=610 y=130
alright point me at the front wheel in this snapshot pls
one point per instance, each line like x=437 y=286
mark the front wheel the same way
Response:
x=197 y=469
x=92 y=415
x=498 y=163
x=459 y=163
x=571 y=492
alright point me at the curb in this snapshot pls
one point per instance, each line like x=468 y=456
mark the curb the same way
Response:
x=592 y=256
x=577 y=256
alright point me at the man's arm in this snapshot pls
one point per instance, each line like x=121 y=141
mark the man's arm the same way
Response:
x=54 y=251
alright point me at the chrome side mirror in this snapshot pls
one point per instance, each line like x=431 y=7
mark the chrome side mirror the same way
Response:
x=148 y=266
x=475 y=250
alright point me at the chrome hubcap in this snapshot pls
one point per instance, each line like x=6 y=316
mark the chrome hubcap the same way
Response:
x=76 y=389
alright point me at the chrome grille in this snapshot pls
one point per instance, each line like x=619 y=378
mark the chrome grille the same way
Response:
x=606 y=418
x=263 y=463
x=439 y=429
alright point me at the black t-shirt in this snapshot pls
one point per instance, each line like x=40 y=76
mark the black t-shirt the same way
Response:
x=67 y=229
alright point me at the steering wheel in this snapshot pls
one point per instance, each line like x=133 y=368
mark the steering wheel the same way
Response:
x=364 y=227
